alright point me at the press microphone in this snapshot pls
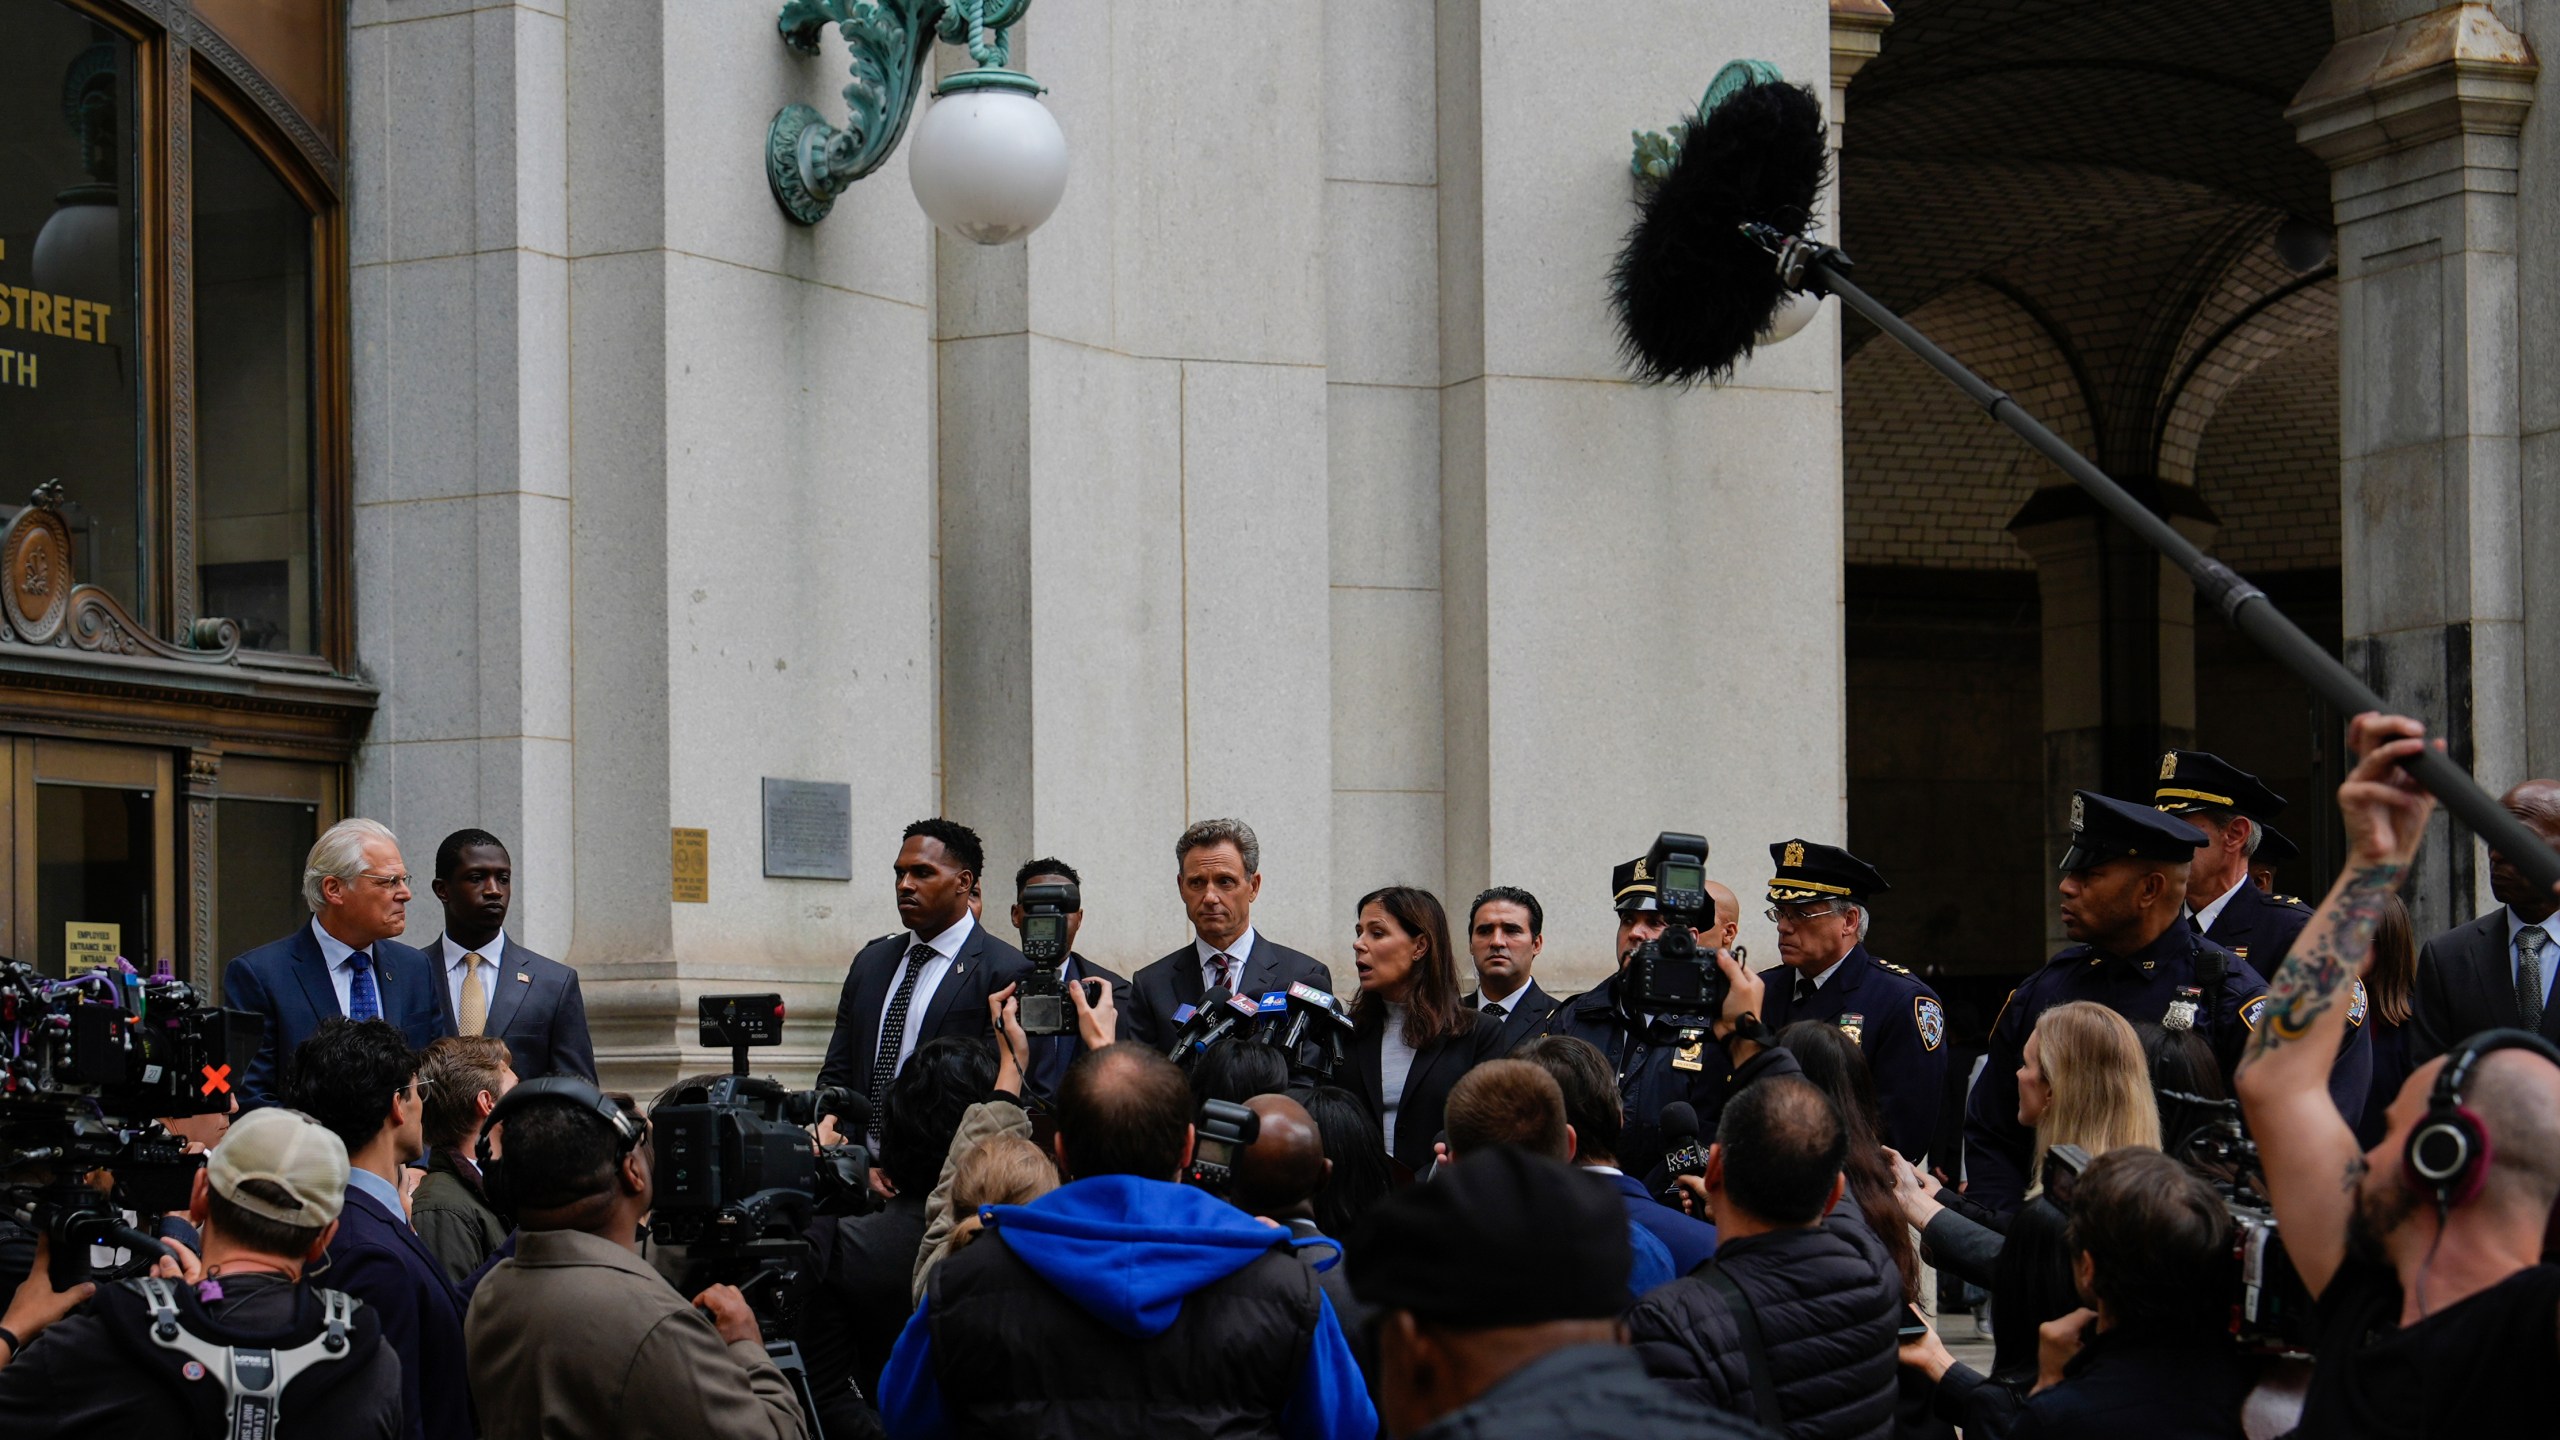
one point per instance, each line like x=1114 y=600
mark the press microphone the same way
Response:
x=1682 y=1151
x=1190 y=1020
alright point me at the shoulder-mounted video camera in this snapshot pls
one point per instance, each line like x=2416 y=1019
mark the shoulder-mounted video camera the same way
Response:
x=2272 y=1309
x=1673 y=979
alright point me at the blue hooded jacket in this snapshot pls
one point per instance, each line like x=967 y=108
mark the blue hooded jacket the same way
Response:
x=1127 y=1251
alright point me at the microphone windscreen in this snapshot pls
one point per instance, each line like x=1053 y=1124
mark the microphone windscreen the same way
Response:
x=1679 y=1121
x=1693 y=293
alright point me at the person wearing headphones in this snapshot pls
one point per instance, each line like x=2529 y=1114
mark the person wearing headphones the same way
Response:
x=579 y=1336
x=2432 y=1314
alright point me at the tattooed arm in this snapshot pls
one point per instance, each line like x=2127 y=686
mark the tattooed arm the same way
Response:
x=2308 y=1148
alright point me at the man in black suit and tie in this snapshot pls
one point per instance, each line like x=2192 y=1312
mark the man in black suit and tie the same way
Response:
x=929 y=980
x=1505 y=932
x=1052 y=1054
x=1219 y=869
x=494 y=986
x=2495 y=972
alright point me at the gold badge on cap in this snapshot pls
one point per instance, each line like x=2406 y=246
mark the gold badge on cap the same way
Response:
x=2169 y=766
x=1641 y=872
x=2079 y=813
x=1795 y=854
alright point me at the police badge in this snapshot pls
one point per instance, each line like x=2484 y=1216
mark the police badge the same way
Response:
x=1690 y=1055
x=2079 y=814
x=2169 y=766
x=1795 y=855
x=1932 y=1020
x=1854 y=1026
x=2181 y=1014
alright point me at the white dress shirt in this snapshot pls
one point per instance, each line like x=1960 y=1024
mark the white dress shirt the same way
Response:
x=2206 y=916
x=2515 y=961
x=1395 y=1066
x=493 y=953
x=946 y=948
x=341 y=978
x=1242 y=950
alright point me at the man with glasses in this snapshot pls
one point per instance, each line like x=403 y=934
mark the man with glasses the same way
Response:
x=1818 y=901
x=348 y=962
x=359 y=1079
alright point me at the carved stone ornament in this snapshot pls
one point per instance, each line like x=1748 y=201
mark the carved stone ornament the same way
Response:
x=42 y=605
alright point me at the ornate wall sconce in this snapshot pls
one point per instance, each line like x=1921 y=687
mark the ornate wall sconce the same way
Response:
x=989 y=163
x=1656 y=151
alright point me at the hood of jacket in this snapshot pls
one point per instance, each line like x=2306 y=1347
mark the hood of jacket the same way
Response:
x=1127 y=1251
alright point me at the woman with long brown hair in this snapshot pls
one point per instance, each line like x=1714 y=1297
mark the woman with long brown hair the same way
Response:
x=2390 y=987
x=1833 y=1061
x=1410 y=1038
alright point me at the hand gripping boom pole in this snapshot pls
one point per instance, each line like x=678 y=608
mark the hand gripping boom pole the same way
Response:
x=1817 y=269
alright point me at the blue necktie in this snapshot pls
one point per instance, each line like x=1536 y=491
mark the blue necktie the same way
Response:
x=363 y=1002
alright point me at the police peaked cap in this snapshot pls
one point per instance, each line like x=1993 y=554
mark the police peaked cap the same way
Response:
x=2104 y=829
x=1807 y=871
x=1631 y=886
x=2195 y=780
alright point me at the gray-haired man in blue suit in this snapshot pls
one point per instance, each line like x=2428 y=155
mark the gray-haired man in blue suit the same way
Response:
x=490 y=984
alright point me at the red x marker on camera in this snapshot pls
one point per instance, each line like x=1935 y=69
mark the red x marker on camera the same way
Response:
x=216 y=1079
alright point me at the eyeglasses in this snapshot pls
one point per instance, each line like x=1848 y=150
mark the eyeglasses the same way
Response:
x=417 y=1087
x=1797 y=915
x=387 y=882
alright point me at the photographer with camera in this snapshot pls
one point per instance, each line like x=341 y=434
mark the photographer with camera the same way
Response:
x=267 y=1202
x=856 y=1298
x=2432 y=1315
x=1048 y=913
x=2147 y=1355
x=577 y=1335
x=359 y=1078
x=1658 y=1059
x=1124 y=1301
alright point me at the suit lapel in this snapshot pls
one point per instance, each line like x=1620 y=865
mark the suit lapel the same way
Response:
x=1187 y=987
x=2495 y=992
x=312 y=969
x=972 y=955
x=506 y=993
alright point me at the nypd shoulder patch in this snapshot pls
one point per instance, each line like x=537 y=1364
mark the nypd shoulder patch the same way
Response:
x=2250 y=1012
x=1931 y=1018
x=2356 y=1006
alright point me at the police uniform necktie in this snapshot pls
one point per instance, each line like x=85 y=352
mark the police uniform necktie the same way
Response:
x=893 y=1028
x=1804 y=989
x=2529 y=974
x=475 y=995
x=363 y=1001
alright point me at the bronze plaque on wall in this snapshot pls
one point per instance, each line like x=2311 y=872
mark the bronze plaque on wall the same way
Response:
x=692 y=858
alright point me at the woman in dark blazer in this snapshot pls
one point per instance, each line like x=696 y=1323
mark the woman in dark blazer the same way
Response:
x=1410 y=1038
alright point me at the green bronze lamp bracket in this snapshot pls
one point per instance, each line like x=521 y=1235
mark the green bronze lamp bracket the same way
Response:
x=1657 y=151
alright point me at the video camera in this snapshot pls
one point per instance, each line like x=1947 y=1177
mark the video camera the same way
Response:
x=2271 y=1313
x=86 y=1066
x=1222 y=1129
x=1042 y=994
x=1674 y=979
x=1310 y=1026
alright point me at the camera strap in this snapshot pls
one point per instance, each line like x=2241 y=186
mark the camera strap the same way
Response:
x=1755 y=1355
x=253 y=1378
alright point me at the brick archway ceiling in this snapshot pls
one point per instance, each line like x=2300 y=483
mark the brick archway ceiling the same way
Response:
x=2114 y=175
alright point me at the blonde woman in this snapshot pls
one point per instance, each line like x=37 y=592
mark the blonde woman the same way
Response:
x=2082 y=1082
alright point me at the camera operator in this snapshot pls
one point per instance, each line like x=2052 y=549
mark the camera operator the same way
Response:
x=1655 y=1062
x=464 y=1077
x=2149 y=1356
x=2432 y=1316
x=1529 y=1349
x=267 y=1203
x=1051 y=1054
x=1124 y=1293
x=359 y=1078
x=857 y=1301
x=577 y=1335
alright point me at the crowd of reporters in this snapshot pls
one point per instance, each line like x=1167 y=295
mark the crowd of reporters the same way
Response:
x=1212 y=1199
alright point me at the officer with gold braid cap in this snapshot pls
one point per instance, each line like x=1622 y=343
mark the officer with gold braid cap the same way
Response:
x=1818 y=901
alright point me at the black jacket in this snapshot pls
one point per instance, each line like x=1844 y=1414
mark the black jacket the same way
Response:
x=984 y=965
x=1827 y=1300
x=2466 y=984
x=854 y=1305
x=1168 y=984
x=2132 y=1387
x=1526 y=1015
x=1585 y=1392
x=1052 y=1054
x=1655 y=1065
x=1435 y=1072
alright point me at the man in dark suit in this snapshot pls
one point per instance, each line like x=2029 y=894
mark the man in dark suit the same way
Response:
x=348 y=962
x=1052 y=1054
x=1818 y=901
x=2494 y=972
x=359 y=1078
x=1505 y=931
x=494 y=986
x=1218 y=867
x=929 y=980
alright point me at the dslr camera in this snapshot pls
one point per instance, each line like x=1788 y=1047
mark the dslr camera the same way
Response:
x=1223 y=1129
x=1674 y=979
x=87 y=1065
x=1041 y=994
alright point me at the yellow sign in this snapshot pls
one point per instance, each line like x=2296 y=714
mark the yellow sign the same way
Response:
x=90 y=945
x=692 y=855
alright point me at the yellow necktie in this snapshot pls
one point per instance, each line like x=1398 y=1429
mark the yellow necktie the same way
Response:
x=475 y=996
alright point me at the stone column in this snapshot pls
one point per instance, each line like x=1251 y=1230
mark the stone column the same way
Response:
x=2418 y=121
x=2119 y=650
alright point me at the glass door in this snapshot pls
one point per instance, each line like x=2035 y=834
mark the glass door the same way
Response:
x=91 y=858
x=266 y=817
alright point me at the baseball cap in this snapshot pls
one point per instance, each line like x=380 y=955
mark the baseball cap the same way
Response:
x=290 y=1151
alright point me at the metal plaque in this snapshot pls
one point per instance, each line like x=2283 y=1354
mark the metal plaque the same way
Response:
x=808 y=830
x=691 y=857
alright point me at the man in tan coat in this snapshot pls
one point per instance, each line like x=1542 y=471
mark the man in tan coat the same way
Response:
x=577 y=1335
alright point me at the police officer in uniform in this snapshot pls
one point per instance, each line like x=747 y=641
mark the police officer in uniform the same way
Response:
x=1656 y=1062
x=1818 y=902
x=2276 y=850
x=2124 y=883
x=2232 y=808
